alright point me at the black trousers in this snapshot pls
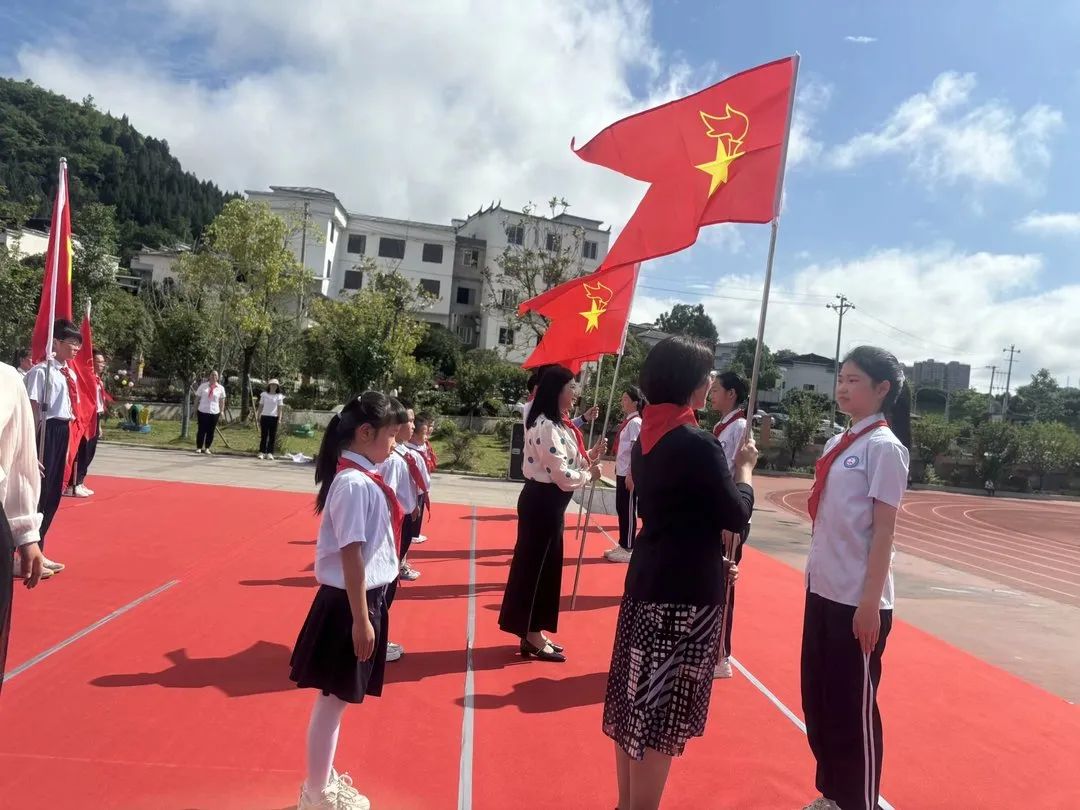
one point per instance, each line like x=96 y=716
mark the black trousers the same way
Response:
x=87 y=451
x=729 y=614
x=207 y=425
x=839 y=697
x=531 y=600
x=267 y=433
x=626 y=507
x=409 y=526
x=54 y=460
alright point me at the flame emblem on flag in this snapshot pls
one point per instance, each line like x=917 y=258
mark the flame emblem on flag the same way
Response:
x=599 y=296
x=729 y=130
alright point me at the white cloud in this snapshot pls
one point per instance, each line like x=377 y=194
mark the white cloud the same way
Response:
x=861 y=40
x=811 y=100
x=1059 y=224
x=949 y=304
x=407 y=110
x=945 y=139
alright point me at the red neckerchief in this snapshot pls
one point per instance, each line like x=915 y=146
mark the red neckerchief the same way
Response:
x=580 y=438
x=723 y=424
x=430 y=456
x=417 y=478
x=210 y=392
x=821 y=468
x=618 y=433
x=658 y=420
x=73 y=392
x=397 y=514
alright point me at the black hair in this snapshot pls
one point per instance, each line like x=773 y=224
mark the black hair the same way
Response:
x=674 y=368
x=399 y=414
x=635 y=395
x=535 y=377
x=371 y=408
x=421 y=420
x=546 y=401
x=21 y=355
x=733 y=381
x=882 y=366
x=63 y=329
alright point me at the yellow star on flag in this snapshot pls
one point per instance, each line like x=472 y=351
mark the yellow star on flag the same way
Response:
x=592 y=317
x=718 y=169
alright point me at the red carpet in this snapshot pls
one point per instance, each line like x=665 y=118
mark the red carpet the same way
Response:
x=183 y=702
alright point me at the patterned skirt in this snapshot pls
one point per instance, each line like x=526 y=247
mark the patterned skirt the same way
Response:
x=661 y=675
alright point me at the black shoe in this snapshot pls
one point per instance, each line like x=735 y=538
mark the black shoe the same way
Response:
x=540 y=653
x=554 y=646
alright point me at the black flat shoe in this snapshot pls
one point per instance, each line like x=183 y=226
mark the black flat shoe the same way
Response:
x=541 y=653
x=556 y=647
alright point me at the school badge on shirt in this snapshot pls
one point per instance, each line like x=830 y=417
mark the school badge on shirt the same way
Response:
x=851 y=462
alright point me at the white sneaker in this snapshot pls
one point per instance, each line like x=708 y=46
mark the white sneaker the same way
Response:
x=46 y=573
x=207 y=451
x=394 y=651
x=83 y=491
x=338 y=795
x=198 y=451
x=269 y=456
x=419 y=540
x=55 y=567
x=723 y=668
x=618 y=555
x=821 y=803
x=262 y=456
x=408 y=573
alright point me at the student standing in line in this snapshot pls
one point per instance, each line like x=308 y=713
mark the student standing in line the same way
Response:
x=859 y=483
x=431 y=458
x=728 y=393
x=23 y=362
x=88 y=445
x=211 y=399
x=419 y=446
x=269 y=413
x=625 y=500
x=341 y=649
x=54 y=396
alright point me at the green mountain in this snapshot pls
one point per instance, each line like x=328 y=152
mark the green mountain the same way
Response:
x=157 y=203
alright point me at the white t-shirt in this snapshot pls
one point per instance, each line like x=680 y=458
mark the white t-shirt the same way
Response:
x=421 y=462
x=20 y=482
x=730 y=436
x=210 y=402
x=873 y=468
x=627 y=437
x=395 y=472
x=270 y=403
x=57 y=400
x=356 y=512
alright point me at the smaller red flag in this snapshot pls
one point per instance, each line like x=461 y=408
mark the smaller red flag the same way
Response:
x=56 y=287
x=587 y=317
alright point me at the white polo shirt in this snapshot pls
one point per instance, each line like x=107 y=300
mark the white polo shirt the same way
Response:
x=207 y=403
x=356 y=512
x=395 y=472
x=731 y=435
x=270 y=404
x=873 y=468
x=56 y=401
x=627 y=437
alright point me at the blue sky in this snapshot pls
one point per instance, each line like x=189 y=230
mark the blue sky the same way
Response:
x=932 y=178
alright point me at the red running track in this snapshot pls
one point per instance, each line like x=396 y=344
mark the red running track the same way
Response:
x=183 y=701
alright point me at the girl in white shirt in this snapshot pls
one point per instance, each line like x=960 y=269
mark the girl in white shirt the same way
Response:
x=556 y=463
x=859 y=483
x=211 y=398
x=726 y=396
x=625 y=501
x=269 y=409
x=341 y=649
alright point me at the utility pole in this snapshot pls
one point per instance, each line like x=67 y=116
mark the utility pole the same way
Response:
x=1012 y=351
x=840 y=308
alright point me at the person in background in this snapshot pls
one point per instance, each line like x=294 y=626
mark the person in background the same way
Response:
x=20 y=484
x=88 y=446
x=54 y=396
x=398 y=477
x=211 y=398
x=625 y=501
x=23 y=363
x=420 y=447
x=269 y=412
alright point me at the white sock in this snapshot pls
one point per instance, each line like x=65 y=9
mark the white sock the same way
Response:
x=322 y=739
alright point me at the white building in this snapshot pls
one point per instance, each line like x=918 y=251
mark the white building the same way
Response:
x=24 y=241
x=806 y=372
x=149 y=267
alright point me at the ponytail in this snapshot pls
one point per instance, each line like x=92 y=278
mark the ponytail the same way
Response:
x=371 y=408
x=899 y=415
x=732 y=381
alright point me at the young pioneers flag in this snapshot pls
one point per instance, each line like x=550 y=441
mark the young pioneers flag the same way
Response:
x=56 y=289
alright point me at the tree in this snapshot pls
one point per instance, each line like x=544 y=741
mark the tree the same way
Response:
x=817 y=401
x=634 y=354
x=932 y=437
x=412 y=379
x=692 y=321
x=94 y=253
x=969 y=405
x=123 y=327
x=183 y=345
x=1041 y=398
x=996 y=445
x=248 y=273
x=478 y=380
x=785 y=356
x=1048 y=447
x=804 y=417
x=369 y=336
x=742 y=363
x=20 y=280
x=1070 y=407
x=440 y=349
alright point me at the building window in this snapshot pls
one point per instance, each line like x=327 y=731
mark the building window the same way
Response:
x=464 y=295
x=470 y=257
x=509 y=299
x=357 y=243
x=329 y=267
x=589 y=249
x=808 y=387
x=169 y=284
x=433 y=253
x=515 y=234
x=553 y=242
x=430 y=285
x=506 y=336
x=391 y=248
x=354 y=279
x=333 y=230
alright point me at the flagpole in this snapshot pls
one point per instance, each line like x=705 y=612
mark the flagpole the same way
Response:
x=592 y=424
x=61 y=200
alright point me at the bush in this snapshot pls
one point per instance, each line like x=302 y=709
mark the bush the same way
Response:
x=504 y=429
x=445 y=429
x=462 y=445
x=446 y=402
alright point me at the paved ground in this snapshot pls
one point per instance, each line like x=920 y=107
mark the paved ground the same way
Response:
x=1030 y=635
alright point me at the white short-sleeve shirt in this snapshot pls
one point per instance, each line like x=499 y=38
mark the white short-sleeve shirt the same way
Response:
x=627 y=436
x=421 y=462
x=356 y=512
x=210 y=403
x=873 y=468
x=552 y=456
x=270 y=404
x=56 y=401
x=731 y=435
x=395 y=472
x=20 y=481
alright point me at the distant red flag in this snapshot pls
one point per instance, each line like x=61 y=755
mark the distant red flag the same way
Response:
x=587 y=318
x=714 y=156
x=56 y=288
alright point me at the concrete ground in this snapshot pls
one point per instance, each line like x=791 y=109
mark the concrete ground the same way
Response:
x=1035 y=638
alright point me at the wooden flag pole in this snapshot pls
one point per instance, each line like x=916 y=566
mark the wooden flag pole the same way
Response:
x=592 y=424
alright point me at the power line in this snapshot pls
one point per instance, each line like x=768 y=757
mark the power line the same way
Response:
x=696 y=294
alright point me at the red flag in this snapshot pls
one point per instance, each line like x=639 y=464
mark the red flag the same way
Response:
x=587 y=317
x=56 y=289
x=714 y=156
